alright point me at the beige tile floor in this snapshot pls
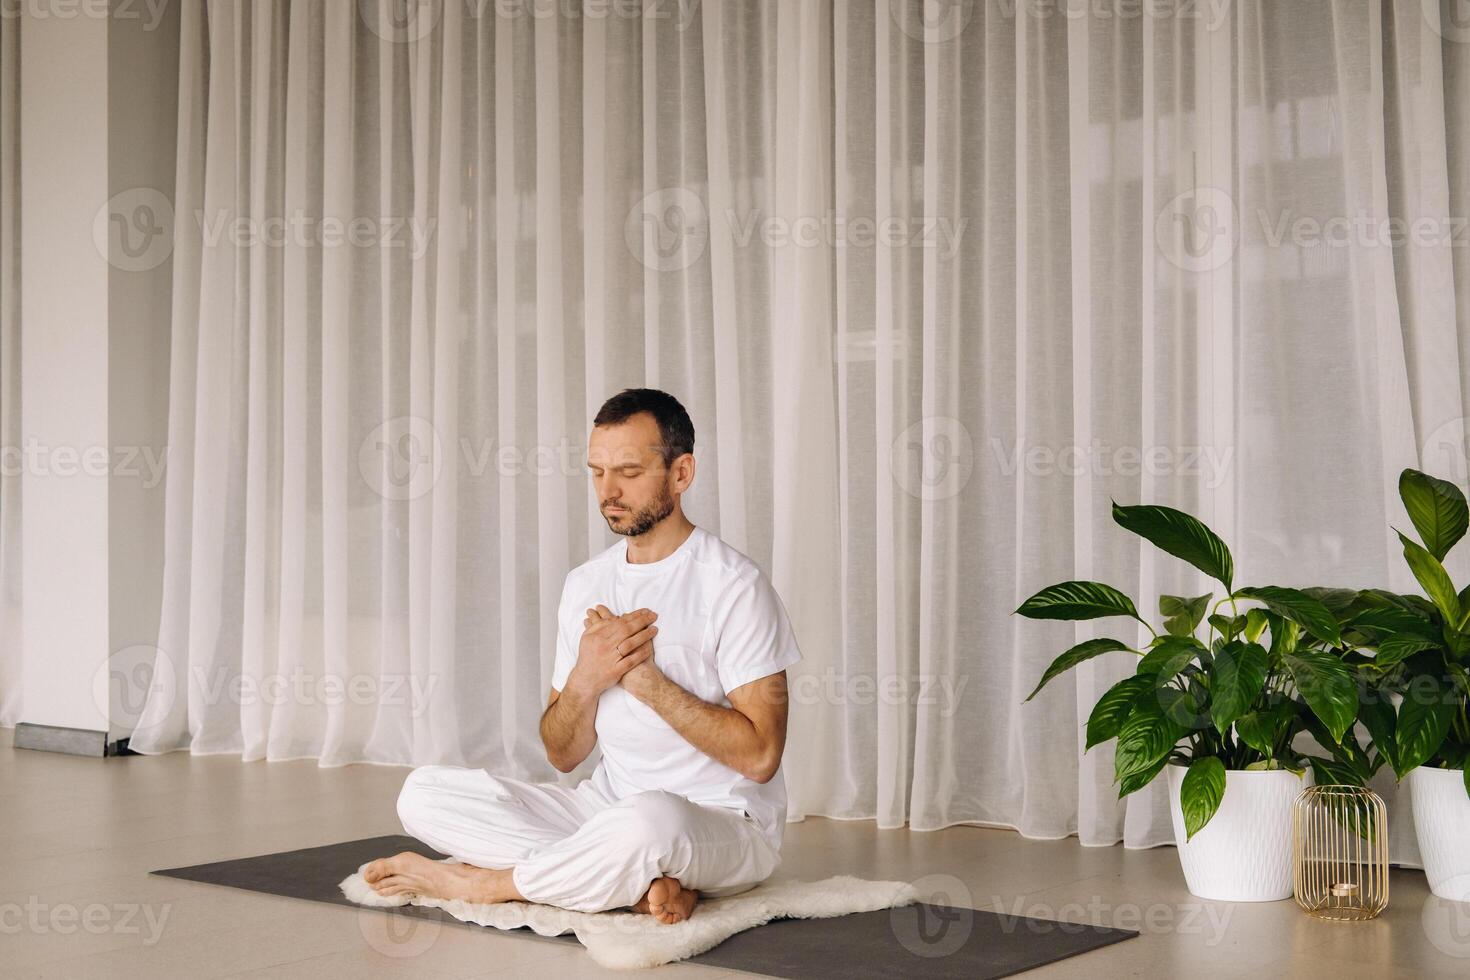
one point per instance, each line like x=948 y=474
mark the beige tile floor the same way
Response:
x=78 y=836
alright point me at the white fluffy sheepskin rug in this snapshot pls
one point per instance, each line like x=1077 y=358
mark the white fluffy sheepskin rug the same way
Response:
x=630 y=941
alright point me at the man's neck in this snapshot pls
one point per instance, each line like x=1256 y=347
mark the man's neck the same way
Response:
x=659 y=541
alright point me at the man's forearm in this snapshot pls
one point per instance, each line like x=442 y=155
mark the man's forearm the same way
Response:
x=568 y=728
x=723 y=734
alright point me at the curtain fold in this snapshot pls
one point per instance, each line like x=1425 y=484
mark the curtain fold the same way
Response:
x=936 y=282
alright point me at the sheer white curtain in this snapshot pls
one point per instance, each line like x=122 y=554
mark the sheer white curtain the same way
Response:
x=935 y=282
x=377 y=441
x=10 y=433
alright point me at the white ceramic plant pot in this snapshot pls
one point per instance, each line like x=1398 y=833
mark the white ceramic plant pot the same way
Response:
x=1441 y=822
x=1244 y=853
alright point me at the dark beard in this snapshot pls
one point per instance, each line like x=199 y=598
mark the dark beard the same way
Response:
x=641 y=521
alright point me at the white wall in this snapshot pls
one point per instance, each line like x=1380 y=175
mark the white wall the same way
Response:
x=98 y=96
x=64 y=573
x=143 y=97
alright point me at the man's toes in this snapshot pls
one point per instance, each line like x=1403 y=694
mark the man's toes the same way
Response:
x=400 y=885
x=684 y=903
x=661 y=892
x=383 y=867
x=385 y=885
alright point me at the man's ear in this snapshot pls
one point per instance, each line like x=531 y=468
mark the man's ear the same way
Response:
x=683 y=472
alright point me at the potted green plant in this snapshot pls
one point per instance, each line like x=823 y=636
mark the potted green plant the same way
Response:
x=1417 y=682
x=1216 y=699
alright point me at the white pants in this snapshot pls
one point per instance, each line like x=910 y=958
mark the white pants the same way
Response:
x=577 y=849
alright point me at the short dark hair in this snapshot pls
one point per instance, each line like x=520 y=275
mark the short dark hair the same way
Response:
x=675 y=430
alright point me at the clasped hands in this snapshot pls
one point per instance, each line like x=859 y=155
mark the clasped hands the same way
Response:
x=616 y=650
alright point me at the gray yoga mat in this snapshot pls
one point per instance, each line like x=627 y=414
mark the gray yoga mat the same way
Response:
x=928 y=940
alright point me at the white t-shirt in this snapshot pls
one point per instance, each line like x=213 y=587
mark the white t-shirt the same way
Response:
x=720 y=625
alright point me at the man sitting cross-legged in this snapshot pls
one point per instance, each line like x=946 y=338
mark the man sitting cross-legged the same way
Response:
x=684 y=692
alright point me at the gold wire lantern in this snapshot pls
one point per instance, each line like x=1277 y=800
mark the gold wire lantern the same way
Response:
x=1340 y=852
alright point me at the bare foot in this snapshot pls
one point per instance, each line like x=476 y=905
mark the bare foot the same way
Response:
x=668 y=901
x=407 y=873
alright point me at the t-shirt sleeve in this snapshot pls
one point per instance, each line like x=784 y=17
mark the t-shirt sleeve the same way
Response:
x=755 y=638
x=566 y=647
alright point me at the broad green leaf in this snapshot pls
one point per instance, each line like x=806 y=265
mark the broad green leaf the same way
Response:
x=1298 y=607
x=1465 y=774
x=1227 y=626
x=1377 y=716
x=1339 y=602
x=1260 y=729
x=1256 y=621
x=1185 y=708
x=1459 y=678
x=1239 y=676
x=1437 y=508
x=1345 y=752
x=1183 y=616
x=1326 y=684
x=1399 y=647
x=1135 y=781
x=1257 y=729
x=1169 y=656
x=1433 y=577
x=1390 y=619
x=1458 y=642
x=1284 y=637
x=1324 y=738
x=1424 y=721
x=1384 y=599
x=1114 y=707
x=1083 y=651
x=1200 y=793
x=1181 y=536
x=1424 y=607
x=1331 y=772
x=1078 y=600
x=1348 y=750
x=1148 y=736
